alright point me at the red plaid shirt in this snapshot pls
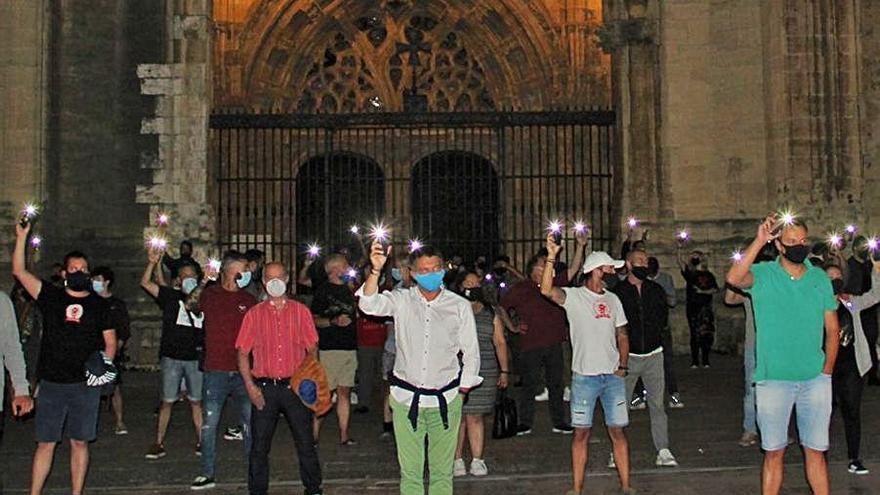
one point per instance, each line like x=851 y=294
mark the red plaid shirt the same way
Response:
x=278 y=338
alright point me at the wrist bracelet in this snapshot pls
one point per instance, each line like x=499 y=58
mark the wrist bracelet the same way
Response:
x=623 y=368
x=374 y=272
x=503 y=372
x=551 y=260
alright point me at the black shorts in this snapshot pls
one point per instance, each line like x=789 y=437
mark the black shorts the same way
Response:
x=70 y=406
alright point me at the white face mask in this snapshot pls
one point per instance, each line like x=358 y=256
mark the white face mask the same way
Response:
x=276 y=287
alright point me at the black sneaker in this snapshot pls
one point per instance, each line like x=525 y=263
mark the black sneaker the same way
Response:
x=522 y=430
x=856 y=467
x=564 y=429
x=202 y=483
x=233 y=433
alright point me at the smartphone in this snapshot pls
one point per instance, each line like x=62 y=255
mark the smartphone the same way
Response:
x=557 y=238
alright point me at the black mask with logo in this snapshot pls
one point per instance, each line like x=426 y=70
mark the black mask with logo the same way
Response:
x=473 y=294
x=78 y=281
x=837 y=286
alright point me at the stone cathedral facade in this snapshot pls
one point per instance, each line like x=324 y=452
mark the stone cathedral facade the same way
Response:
x=721 y=110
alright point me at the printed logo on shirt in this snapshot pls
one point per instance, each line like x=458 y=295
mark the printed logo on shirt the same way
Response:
x=74 y=313
x=188 y=318
x=242 y=308
x=601 y=310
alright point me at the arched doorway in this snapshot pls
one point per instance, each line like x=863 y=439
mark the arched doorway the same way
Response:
x=333 y=191
x=455 y=203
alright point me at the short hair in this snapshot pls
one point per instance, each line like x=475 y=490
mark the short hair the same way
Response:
x=333 y=259
x=424 y=252
x=254 y=255
x=186 y=243
x=74 y=255
x=106 y=273
x=530 y=266
x=275 y=263
x=819 y=249
x=795 y=222
x=187 y=264
x=230 y=257
x=502 y=257
x=630 y=255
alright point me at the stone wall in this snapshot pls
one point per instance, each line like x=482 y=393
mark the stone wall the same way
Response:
x=23 y=64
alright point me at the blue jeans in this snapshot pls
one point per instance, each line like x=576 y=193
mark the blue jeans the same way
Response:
x=776 y=398
x=610 y=389
x=218 y=385
x=750 y=424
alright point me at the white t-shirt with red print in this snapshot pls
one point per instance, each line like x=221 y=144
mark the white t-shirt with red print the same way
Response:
x=592 y=320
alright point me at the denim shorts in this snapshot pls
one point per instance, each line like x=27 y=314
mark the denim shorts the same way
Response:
x=173 y=370
x=610 y=389
x=70 y=405
x=812 y=398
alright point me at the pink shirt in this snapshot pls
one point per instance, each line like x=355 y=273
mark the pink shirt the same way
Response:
x=277 y=338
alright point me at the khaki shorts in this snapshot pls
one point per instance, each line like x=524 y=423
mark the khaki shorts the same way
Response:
x=340 y=366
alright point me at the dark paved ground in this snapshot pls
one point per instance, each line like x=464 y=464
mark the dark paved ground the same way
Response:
x=703 y=437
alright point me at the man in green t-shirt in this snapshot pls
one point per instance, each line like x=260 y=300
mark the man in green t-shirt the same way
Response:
x=794 y=308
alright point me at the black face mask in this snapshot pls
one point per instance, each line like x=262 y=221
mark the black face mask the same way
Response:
x=474 y=294
x=695 y=261
x=640 y=272
x=609 y=279
x=797 y=253
x=837 y=286
x=78 y=281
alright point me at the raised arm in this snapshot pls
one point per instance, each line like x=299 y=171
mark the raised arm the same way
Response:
x=547 y=289
x=871 y=297
x=31 y=283
x=577 y=261
x=147 y=283
x=740 y=274
x=371 y=301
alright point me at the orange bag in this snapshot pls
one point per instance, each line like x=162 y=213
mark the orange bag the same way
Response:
x=309 y=383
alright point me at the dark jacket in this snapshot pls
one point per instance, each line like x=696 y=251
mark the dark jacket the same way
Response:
x=646 y=313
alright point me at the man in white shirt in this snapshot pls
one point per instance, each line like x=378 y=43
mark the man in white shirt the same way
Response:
x=600 y=344
x=432 y=326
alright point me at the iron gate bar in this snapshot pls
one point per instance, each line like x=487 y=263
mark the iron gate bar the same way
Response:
x=259 y=159
x=441 y=119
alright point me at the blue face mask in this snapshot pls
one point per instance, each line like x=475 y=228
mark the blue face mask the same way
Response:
x=431 y=282
x=97 y=286
x=395 y=274
x=244 y=280
x=188 y=285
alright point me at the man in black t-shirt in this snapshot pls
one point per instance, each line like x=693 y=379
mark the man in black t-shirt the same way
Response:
x=179 y=346
x=103 y=282
x=76 y=325
x=335 y=312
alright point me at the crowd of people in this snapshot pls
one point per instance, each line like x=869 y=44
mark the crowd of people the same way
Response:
x=433 y=341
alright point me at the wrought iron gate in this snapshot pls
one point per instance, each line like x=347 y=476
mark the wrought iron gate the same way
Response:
x=469 y=183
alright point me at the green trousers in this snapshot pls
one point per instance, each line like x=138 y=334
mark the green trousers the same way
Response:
x=411 y=448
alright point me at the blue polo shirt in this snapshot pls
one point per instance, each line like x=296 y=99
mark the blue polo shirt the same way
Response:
x=790 y=321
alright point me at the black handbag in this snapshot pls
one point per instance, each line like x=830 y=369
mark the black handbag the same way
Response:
x=506 y=419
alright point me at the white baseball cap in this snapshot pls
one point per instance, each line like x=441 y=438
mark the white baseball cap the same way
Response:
x=597 y=259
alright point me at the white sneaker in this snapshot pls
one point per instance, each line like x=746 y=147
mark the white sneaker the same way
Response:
x=566 y=394
x=611 y=463
x=543 y=396
x=354 y=398
x=458 y=468
x=666 y=459
x=478 y=468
